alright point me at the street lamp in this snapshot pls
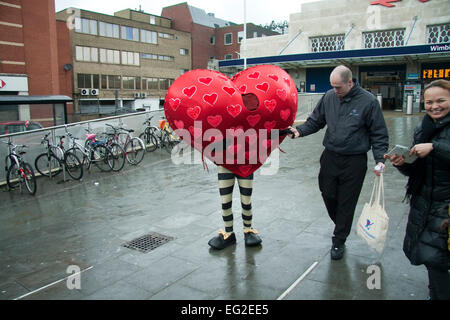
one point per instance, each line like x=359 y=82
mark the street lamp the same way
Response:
x=245 y=35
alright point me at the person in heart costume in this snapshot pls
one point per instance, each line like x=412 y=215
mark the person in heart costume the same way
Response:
x=235 y=123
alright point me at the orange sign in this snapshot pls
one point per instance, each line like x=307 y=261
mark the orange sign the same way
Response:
x=388 y=3
x=435 y=73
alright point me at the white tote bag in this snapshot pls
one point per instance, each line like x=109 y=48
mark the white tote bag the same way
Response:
x=373 y=223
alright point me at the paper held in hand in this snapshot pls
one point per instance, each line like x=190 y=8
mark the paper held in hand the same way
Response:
x=402 y=151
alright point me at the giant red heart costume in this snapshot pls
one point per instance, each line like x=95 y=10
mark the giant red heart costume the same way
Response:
x=251 y=104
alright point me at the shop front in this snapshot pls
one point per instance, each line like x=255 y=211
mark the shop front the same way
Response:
x=387 y=80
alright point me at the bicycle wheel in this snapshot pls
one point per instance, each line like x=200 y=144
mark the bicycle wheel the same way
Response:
x=29 y=178
x=102 y=158
x=12 y=177
x=150 y=140
x=167 y=142
x=118 y=155
x=135 y=150
x=48 y=165
x=81 y=156
x=73 y=165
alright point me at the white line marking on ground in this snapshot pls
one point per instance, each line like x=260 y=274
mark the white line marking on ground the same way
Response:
x=288 y=290
x=52 y=284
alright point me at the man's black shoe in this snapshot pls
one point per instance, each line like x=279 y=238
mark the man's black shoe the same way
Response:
x=222 y=241
x=337 y=251
x=251 y=238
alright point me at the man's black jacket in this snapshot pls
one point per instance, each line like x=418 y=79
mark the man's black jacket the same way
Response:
x=354 y=124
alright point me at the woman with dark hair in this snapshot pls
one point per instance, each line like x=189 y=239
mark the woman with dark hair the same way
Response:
x=428 y=189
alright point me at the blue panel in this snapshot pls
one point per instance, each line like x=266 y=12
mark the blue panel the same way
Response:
x=401 y=67
x=320 y=78
x=360 y=53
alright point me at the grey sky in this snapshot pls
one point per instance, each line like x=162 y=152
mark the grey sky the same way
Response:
x=258 y=11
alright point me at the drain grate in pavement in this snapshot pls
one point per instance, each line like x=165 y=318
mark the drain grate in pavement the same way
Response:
x=148 y=242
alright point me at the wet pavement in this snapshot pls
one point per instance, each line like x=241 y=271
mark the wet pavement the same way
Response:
x=83 y=226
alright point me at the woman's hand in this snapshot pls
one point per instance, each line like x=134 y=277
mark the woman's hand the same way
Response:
x=421 y=150
x=445 y=224
x=395 y=159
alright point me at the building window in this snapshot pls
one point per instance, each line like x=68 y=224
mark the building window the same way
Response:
x=86 y=26
x=109 y=56
x=108 y=30
x=164 y=84
x=165 y=58
x=184 y=52
x=326 y=43
x=130 y=58
x=149 y=36
x=129 y=33
x=87 y=80
x=152 y=83
x=240 y=36
x=104 y=81
x=149 y=56
x=228 y=38
x=438 y=33
x=157 y=57
x=384 y=39
x=128 y=83
x=152 y=20
x=86 y=54
x=84 y=80
x=95 y=81
x=228 y=56
x=113 y=82
x=165 y=35
x=212 y=40
x=138 y=83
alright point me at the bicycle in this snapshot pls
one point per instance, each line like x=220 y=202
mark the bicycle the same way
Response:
x=55 y=160
x=162 y=137
x=150 y=136
x=92 y=152
x=168 y=139
x=134 y=147
x=117 y=152
x=19 y=171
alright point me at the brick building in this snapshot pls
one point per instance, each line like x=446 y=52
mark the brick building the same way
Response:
x=212 y=38
x=30 y=63
x=123 y=62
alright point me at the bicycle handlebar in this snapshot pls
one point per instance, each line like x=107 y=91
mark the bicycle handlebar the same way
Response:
x=148 y=120
x=14 y=146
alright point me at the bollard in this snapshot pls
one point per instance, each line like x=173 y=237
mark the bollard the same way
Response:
x=380 y=100
x=409 y=104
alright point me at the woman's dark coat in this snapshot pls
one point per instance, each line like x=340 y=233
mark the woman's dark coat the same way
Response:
x=424 y=242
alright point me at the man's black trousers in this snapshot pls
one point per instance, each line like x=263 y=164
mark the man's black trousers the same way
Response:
x=341 y=178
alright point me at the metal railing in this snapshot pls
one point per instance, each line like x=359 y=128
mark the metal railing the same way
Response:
x=33 y=138
x=306 y=103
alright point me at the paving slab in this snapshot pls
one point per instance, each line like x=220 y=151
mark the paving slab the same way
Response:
x=85 y=224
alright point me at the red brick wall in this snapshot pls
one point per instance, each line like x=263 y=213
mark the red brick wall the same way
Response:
x=221 y=48
x=64 y=57
x=202 y=49
x=200 y=35
x=41 y=53
x=11 y=34
x=180 y=15
x=40 y=38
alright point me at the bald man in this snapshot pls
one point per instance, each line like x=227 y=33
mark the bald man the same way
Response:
x=355 y=124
